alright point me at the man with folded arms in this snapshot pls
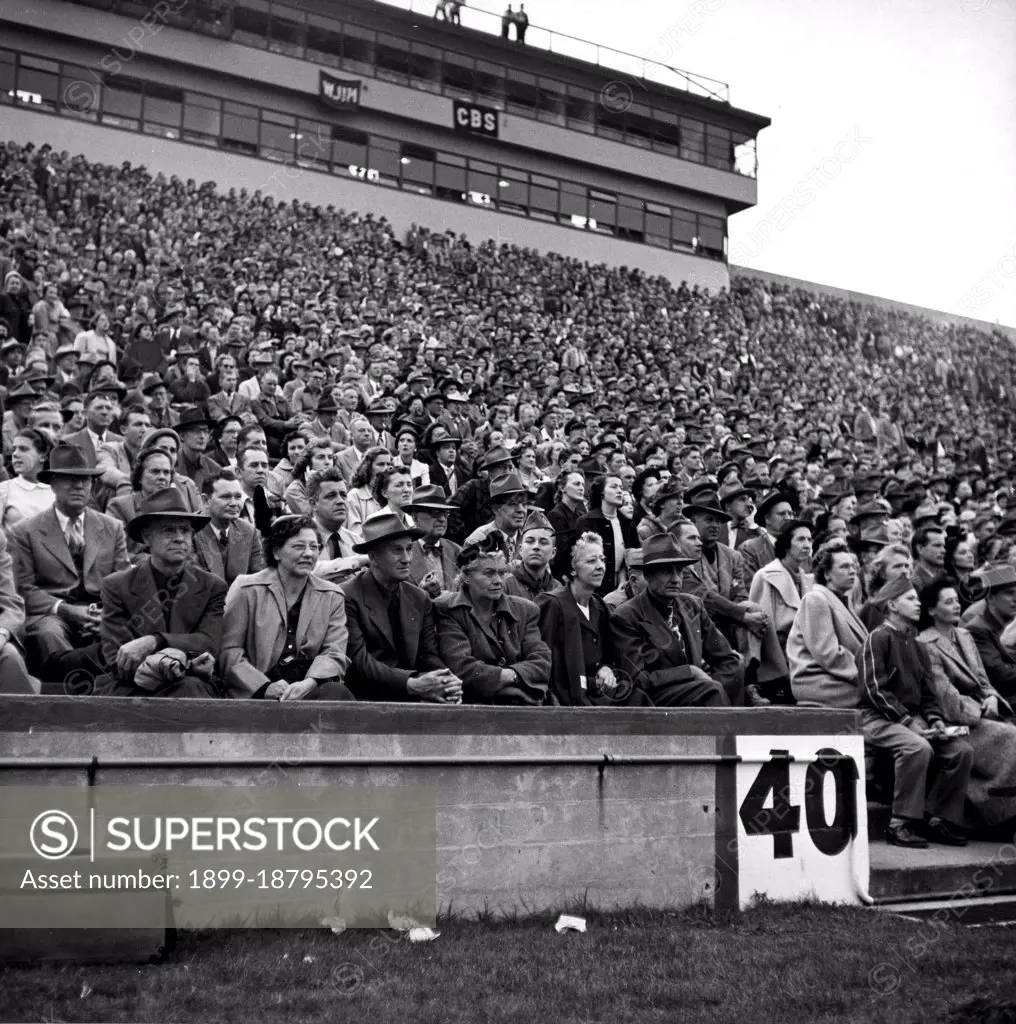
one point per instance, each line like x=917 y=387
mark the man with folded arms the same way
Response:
x=666 y=641
x=326 y=493
x=900 y=715
x=392 y=646
x=165 y=603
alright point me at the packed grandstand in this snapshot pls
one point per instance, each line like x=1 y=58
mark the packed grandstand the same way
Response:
x=570 y=429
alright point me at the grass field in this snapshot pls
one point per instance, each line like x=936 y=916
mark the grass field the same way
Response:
x=773 y=963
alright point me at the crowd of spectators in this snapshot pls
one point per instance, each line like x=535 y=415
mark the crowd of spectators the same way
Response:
x=269 y=451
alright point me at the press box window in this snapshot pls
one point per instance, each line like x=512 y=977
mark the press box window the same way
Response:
x=418 y=165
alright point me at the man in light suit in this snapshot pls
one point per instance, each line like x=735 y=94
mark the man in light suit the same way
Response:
x=432 y=566
x=348 y=460
x=61 y=557
x=14 y=677
x=393 y=649
x=98 y=417
x=228 y=546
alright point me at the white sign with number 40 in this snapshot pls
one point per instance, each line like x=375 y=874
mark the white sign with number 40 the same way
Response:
x=802 y=821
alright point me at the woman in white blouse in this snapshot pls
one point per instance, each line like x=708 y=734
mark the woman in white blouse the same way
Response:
x=360 y=502
x=23 y=496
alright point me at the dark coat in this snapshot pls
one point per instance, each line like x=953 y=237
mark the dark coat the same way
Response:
x=131 y=609
x=373 y=672
x=998 y=663
x=477 y=654
x=418 y=567
x=564 y=521
x=244 y=553
x=596 y=522
x=755 y=553
x=472 y=507
x=578 y=647
x=646 y=650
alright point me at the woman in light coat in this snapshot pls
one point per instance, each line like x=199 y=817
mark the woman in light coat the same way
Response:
x=284 y=631
x=965 y=696
x=826 y=634
x=777 y=589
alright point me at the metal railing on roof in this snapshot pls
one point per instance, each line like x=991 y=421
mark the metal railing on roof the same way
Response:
x=643 y=69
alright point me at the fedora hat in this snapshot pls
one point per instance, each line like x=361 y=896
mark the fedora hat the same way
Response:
x=875 y=537
x=508 y=483
x=440 y=436
x=732 y=491
x=662 y=549
x=68 y=460
x=382 y=407
x=151 y=381
x=772 y=499
x=701 y=485
x=192 y=416
x=165 y=504
x=326 y=405
x=382 y=526
x=495 y=457
x=430 y=499
x=23 y=391
x=998 y=577
x=710 y=506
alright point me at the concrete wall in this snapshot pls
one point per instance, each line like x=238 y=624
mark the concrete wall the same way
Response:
x=606 y=833
x=112 y=145
x=292 y=75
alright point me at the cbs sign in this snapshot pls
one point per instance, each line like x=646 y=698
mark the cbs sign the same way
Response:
x=470 y=117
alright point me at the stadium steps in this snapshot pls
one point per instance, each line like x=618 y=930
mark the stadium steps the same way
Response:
x=977 y=910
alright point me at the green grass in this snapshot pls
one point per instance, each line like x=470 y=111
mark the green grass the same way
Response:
x=773 y=963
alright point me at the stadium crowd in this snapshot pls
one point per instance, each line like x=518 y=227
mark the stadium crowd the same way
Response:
x=269 y=451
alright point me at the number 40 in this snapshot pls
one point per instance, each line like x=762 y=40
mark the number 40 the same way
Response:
x=783 y=819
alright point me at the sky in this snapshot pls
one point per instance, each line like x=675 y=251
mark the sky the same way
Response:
x=890 y=164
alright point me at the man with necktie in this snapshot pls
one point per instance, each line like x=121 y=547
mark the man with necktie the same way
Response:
x=433 y=564
x=61 y=557
x=393 y=649
x=338 y=560
x=228 y=546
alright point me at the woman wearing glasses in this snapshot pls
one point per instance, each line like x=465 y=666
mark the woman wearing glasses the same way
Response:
x=489 y=639
x=284 y=632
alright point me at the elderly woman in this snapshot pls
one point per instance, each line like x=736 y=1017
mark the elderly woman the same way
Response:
x=575 y=624
x=153 y=471
x=315 y=458
x=24 y=496
x=889 y=564
x=489 y=639
x=360 y=502
x=777 y=589
x=826 y=634
x=284 y=629
x=965 y=696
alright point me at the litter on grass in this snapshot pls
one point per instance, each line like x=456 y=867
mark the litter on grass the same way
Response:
x=567 y=923
x=421 y=934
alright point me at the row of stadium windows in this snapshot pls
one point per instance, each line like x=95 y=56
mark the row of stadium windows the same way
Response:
x=615 y=115
x=156 y=109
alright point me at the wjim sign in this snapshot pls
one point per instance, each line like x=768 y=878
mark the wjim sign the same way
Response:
x=338 y=92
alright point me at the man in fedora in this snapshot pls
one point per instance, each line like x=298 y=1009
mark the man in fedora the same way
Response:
x=667 y=642
x=164 y=602
x=227 y=546
x=738 y=502
x=195 y=431
x=326 y=423
x=997 y=584
x=443 y=447
x=379 y=416
x=433 y=565
x=472 y=498
x=61 y=557
x=392 y=647
x=773 y=512
x=21 y=400
x=509 y=501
